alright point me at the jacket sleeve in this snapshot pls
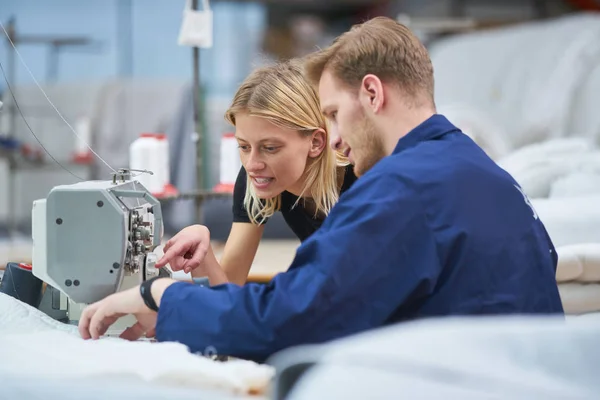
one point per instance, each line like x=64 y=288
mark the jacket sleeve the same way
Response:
x=373 y=254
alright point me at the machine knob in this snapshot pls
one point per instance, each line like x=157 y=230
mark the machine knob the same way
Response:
x=150 y=269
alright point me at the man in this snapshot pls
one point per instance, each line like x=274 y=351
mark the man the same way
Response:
x=433 y=227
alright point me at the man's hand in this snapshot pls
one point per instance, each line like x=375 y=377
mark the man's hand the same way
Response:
x=98 y=317
x=187 y=249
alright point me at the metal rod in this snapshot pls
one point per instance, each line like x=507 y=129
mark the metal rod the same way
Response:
x=198 y=125
x=125 y=38
x=12 y=167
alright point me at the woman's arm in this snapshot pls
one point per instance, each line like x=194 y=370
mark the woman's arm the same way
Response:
x=241 y=245
x=237 y=257
x=240 y=251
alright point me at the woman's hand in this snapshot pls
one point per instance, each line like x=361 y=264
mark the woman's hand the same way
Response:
x=187 y=249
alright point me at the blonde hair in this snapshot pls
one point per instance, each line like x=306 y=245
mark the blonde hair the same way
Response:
x=382 y=47
x=281 y=94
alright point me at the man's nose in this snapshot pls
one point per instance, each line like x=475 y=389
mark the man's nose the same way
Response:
x=335 y=142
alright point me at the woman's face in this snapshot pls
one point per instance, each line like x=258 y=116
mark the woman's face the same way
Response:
x=275 y=158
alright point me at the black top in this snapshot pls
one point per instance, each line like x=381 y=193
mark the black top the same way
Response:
x=300 y=221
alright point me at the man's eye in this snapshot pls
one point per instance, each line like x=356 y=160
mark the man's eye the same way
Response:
x=270 y=149
x=244 y=147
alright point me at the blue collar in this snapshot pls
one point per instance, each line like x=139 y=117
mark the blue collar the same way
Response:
x=432 y=128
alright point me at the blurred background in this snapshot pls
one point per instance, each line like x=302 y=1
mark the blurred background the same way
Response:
x=512 y=73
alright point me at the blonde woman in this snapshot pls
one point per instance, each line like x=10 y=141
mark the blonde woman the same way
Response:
x=288 y=167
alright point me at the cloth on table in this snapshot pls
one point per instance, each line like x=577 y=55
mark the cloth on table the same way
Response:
x=27 y=336
x=515 y=357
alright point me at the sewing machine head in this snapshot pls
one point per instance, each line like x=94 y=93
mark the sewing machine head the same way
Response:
x=94 y=238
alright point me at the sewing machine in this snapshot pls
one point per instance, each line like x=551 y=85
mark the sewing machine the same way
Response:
x=95 y=238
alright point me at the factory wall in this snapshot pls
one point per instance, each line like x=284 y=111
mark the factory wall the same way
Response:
x=146 y=49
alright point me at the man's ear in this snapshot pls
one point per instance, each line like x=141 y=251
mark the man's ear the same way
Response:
x=371 y=93
x=317 y=143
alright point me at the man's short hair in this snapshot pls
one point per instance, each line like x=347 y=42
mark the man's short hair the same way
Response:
x=382 y=47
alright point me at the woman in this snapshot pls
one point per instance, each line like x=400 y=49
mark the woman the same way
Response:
x=288 y=167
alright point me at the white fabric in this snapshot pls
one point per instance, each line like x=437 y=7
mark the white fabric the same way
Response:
x=579 y=262
x=458 y=358
x=577 y=184
x=538 y=166
x=585 y=118
x=570 y=220
x=17 y=317
x=29 y=338
x=569 y=266
x=197 y=26
x=580 y=298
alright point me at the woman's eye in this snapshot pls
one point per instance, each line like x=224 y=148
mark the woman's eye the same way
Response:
x=270 y=149
x=244 y=147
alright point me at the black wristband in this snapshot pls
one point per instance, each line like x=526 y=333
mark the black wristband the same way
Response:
x=147 y=293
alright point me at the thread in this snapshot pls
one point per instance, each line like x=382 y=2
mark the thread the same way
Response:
x=150 y=152
x=50 y=102
x=229 y=165
x=29 y=126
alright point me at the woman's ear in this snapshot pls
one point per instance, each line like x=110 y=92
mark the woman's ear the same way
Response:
x=317 y=143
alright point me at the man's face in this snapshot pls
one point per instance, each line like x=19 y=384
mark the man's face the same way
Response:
x=352 y=131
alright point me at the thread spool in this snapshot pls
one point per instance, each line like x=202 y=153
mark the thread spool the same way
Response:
x=229 y=165
x=82 y=153
x=151 y=152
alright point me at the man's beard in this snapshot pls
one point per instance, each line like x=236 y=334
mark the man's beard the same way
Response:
x=369 y=145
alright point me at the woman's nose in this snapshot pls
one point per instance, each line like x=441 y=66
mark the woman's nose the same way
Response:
x=254 y=164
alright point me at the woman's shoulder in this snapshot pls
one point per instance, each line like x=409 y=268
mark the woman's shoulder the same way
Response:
x=349 y=178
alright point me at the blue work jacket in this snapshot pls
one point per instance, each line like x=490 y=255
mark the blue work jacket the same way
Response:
x=435 y=229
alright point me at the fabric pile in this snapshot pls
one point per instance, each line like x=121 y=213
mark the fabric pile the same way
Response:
x=562 y=178
x=578 y=277
x=35 y=345
x=557 y=168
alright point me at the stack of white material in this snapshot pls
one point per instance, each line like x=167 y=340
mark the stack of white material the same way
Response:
x=578 y=277
x=35 y=346
x=562 y=177
x=567 y=167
